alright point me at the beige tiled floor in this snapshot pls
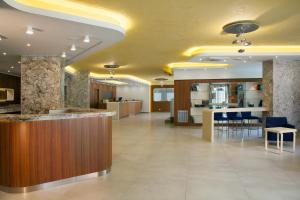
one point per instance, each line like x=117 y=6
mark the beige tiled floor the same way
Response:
x=155 y=161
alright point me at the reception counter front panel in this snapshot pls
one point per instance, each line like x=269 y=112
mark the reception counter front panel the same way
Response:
x=42 y=151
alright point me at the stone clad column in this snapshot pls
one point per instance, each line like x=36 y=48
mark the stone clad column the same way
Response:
x=281 y=84
x=78 y=89
x=41 y=84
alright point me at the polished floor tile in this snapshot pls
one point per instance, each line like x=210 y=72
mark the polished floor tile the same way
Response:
x=157 y=161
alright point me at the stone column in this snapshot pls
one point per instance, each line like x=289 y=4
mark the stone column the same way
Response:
x=282 y=89
x=78 y=89
x=41 y=80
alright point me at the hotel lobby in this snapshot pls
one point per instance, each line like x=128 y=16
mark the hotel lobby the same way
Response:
x=178 y=100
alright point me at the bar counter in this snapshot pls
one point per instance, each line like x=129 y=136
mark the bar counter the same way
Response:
x=38 y=151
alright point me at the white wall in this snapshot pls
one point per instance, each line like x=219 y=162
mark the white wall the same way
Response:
x=248 y=70
x=137 y=92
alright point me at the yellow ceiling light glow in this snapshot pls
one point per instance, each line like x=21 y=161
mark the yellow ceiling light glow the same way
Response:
x=79 y=9
x=70 y=69
x=249 y=49
x=121 y=76
x=190 y=65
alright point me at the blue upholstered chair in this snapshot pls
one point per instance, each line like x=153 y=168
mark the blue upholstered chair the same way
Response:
x=247 y=116
x=233 y=117
x=279 y=122
x=220 y=118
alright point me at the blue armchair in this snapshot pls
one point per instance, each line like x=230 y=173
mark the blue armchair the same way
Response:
x=279 y=122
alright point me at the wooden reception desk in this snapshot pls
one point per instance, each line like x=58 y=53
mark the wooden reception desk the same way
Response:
x=38 y=151
x=125 y=108
x=208 y=119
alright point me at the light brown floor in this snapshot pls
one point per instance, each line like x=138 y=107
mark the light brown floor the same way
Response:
x=155 y=161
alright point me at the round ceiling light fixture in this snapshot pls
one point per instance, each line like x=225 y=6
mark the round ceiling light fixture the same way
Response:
x=240 y=28
x=111 y=68
x=161 y=80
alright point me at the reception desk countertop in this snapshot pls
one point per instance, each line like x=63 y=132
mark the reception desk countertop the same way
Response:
x=64 y=113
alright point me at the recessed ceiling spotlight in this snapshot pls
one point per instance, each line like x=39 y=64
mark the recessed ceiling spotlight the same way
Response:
x=276 y=57
x=73 y=47
x=28 y=45
x=8 y=71
x=86 y=39
x=29 y=30
x=12 y=67
x=200 y=59
x=4 y=53
x=63 y=55
x=19 y=62
x=244 y=61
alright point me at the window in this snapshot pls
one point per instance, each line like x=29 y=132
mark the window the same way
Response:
x=163 y=94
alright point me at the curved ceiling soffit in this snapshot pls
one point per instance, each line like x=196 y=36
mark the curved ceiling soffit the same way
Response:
x=65 y=11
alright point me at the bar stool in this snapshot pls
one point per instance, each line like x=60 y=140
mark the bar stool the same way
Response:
x=220 y=118
x=247 y=116
x=233 y=116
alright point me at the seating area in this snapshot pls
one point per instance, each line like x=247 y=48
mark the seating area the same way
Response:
x=237 y=123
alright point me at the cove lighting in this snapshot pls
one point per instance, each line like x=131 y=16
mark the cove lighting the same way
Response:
x=70 y=69
x=113 y=82
x=290 y=49
x=191 y=65
x=120 y=76
x=84 y=10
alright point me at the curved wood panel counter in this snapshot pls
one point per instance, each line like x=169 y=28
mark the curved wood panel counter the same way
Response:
x=39 y=149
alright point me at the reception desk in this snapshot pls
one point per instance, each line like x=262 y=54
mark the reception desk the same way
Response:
x=208 y=119
x=124 y=109
x=40 y=151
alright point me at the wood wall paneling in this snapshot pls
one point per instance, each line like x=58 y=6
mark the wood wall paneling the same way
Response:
x=96 y=91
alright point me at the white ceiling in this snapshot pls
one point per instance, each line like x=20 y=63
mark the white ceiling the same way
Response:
x=57 y=36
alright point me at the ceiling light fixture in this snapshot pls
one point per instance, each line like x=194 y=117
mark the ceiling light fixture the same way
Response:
x=86 y=39
x=73 y=47
x=29 y=30
x=111 y=68
x=12 y=67
x=240 y=28
x=63 y=55
x=4 y=53
x=19 y=62
x=8 y=71
x=28 y=45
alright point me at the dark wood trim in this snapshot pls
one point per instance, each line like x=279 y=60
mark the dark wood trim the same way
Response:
x=163 y=106
x=38 y=152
